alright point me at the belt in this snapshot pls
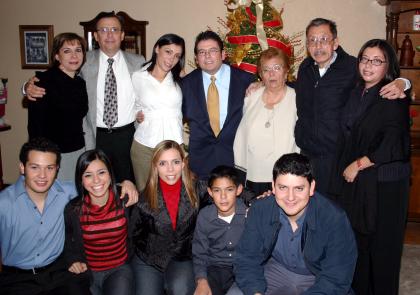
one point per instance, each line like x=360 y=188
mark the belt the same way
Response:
x=114 y=130
x=33 y=270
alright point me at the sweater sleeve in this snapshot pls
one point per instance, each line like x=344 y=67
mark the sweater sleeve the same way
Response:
x=392 y=142
x=38 y=110
x=73 y=245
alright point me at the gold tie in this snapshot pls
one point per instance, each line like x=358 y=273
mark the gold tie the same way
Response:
x=213 y=106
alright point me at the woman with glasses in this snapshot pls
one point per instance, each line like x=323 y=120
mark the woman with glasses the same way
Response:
x=158 y=101
x=267 y=127
x=373 y=170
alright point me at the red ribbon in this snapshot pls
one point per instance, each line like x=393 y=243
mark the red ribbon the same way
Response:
x=253 y=19
x=246 y=67
x=254 y=40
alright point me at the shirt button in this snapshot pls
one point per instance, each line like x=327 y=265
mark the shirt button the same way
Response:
x=37 y=254
x=230 y=243
x=230 y=254
x=42 y=222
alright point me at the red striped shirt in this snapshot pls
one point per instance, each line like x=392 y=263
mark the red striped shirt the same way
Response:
x=104 y=231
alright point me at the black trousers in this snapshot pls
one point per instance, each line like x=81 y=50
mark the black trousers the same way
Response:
x=378 y=264
x=116 y=145
x=322 y=167
x=220 y=279
x=55 y=280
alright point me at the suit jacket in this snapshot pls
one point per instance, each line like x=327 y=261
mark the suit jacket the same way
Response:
x=89 y=72
x=205 y=150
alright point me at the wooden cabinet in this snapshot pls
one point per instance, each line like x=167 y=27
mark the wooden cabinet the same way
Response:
x=134 y=39
x=399 y=25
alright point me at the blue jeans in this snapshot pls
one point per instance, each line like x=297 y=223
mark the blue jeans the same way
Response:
x=115 y=281
x=177 y=279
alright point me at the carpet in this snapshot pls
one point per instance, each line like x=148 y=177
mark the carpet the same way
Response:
x=410 y=270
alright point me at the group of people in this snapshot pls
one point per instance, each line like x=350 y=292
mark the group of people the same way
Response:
x=191 y=231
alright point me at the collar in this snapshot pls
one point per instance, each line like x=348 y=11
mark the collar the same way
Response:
x=21 y=189
x=299 y=221
x=332 y=60
x=218 y=74
x=240 y=209
x=104 y=58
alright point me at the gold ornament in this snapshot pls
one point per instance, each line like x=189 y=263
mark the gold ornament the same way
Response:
x=240 y=52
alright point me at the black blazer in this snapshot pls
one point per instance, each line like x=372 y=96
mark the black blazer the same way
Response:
x=155 y=241
x=205 y=150
x=379 y=129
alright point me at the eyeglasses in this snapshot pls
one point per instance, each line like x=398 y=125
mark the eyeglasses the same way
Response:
x=274 y=68
x=324 y=40
x=112 y=30
x=375 y=62
x=211 y=51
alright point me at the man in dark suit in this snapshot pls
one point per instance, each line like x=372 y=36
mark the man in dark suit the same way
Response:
x=213 y=97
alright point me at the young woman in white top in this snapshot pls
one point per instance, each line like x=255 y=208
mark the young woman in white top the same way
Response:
x=159 y=98
x=266 y=131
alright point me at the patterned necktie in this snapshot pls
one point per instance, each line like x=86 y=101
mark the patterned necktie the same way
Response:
x=213 y=106
x=110 y=99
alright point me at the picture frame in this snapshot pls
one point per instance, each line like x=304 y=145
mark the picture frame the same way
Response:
x=35 y=46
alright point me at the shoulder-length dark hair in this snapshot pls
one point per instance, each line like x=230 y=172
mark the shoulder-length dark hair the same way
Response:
x=168 y=39
x=58 y=43
x=393 y=67
x=151 y=190
x=84 y=161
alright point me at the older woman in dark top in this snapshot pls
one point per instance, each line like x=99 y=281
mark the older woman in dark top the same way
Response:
x=58 y=116
x=373 y=171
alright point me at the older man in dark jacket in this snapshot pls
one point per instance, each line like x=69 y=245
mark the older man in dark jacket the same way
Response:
x=323 y=86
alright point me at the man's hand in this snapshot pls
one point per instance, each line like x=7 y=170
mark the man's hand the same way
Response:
x=393 y=90
x=253 y=87
x=78 y=267
x=351 y=172
x=140 y=117
x=128 y=188
x=32 y=91
x=203 y=287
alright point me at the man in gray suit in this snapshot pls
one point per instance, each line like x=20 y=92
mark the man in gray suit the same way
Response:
x=113 y=138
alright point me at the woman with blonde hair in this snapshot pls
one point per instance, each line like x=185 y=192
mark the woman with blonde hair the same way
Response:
x=163 y=225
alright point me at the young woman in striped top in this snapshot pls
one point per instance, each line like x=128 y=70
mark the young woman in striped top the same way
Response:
x=97 y=227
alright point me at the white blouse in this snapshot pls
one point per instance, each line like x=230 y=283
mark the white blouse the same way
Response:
x=264 y=135
x=161 y=104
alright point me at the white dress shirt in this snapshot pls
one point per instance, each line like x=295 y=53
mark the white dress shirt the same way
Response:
x=125 y=91
x=161 y=104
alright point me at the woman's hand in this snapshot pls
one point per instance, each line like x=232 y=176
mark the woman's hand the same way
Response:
x=351 y=172
x=254 y=86
x=140 y=117
x=203 y=287
x=128 y=188
x=78 y=267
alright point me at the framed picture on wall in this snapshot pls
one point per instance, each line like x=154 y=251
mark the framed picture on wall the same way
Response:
x=35 y=46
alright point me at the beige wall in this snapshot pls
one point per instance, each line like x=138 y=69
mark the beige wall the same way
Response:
x=358 y=20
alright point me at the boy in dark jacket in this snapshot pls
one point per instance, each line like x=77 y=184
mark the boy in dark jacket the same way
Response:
x=296 y=241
